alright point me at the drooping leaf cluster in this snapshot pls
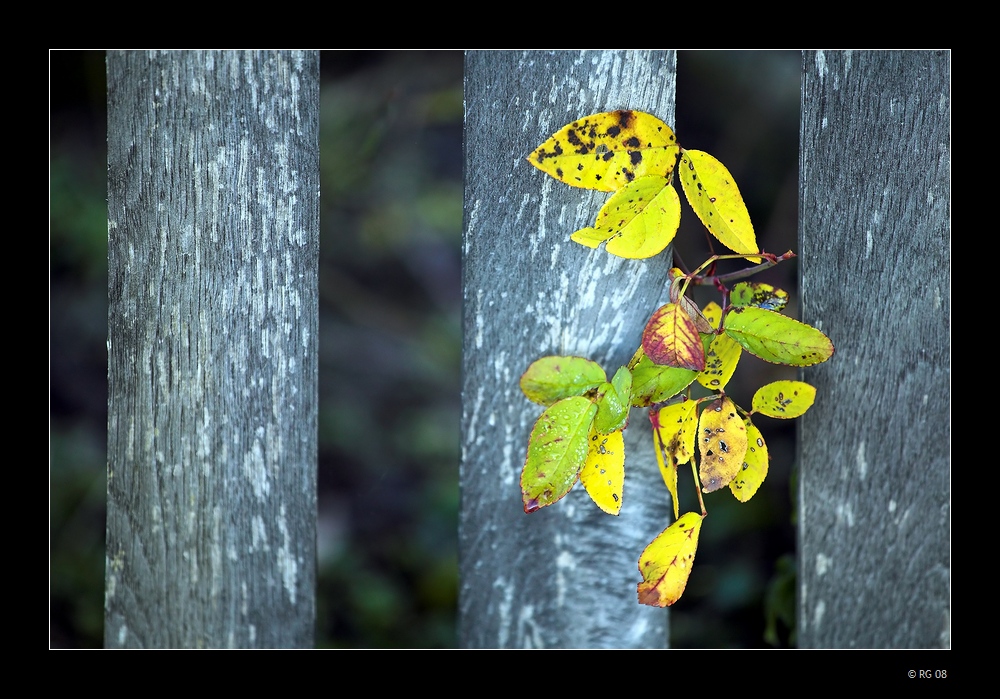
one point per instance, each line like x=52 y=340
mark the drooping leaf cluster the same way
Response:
x=687 y=355
x=634 y=155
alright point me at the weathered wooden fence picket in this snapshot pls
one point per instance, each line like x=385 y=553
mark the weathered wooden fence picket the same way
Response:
x=213 y=241
x=213 y=184
x=874 y=260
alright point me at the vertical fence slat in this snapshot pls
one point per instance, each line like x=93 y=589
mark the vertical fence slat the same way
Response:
x=213 y=184
x=875 y=268
x=566 y=575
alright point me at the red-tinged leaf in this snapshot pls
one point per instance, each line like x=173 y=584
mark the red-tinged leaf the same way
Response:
x=672 y=338
x=722 y=444
x=666 y=563
x=557 y=450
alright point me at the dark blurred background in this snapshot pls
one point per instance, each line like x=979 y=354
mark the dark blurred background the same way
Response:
x=390 y=347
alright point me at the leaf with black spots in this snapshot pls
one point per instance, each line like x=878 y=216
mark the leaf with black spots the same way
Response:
x=606 y=151
x=784 y=399
x=722 y=444
x=712 y=193
x=755 y=464
x=603 y=474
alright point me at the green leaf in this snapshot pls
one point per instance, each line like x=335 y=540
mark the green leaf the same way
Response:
x=671 y=338
x=722 y=444
x=776 y=338
x=714 y=196
x=758 y=294
x=603 y=474
x=606 y=151
x=755 y=463
x=557 y=450
x=666 y=562
x=615 y=403
x=784 y=399
x=655 y=383
x=551 y=379
x=638 y=221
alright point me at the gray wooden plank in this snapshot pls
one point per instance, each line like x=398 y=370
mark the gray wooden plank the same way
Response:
x=564 y=576
x=213 y=207
x=875 y=274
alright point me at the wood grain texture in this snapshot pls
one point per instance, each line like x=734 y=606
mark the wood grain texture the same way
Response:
x=213 y=184
x=875 y=274
x=564 y=576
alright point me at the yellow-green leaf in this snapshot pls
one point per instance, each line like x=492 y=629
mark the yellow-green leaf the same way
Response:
x=755 y=463
x=615 y=403
x=784 y=399
x=557 y=450
x=671 y=338
x=606 y=151
x=722 y=444
x=551 y=379
x=603 y=474
x=714 y=196
x=655 y=383
x=777 y=338
x=665 y=565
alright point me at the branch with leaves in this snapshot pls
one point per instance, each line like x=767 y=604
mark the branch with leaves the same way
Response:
x=578 y=436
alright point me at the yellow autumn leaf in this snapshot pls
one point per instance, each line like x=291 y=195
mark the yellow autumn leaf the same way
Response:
x=674 y=428
x=606 y=151
x=603 y=474
x=755 y=463
x=714 y=196
x=666 y=563
x=638 y=221
x=722 y=353
x=784 y=399
x=722 y=444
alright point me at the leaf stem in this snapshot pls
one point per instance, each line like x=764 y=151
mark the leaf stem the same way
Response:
x=697 y=488
x=770 y=260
